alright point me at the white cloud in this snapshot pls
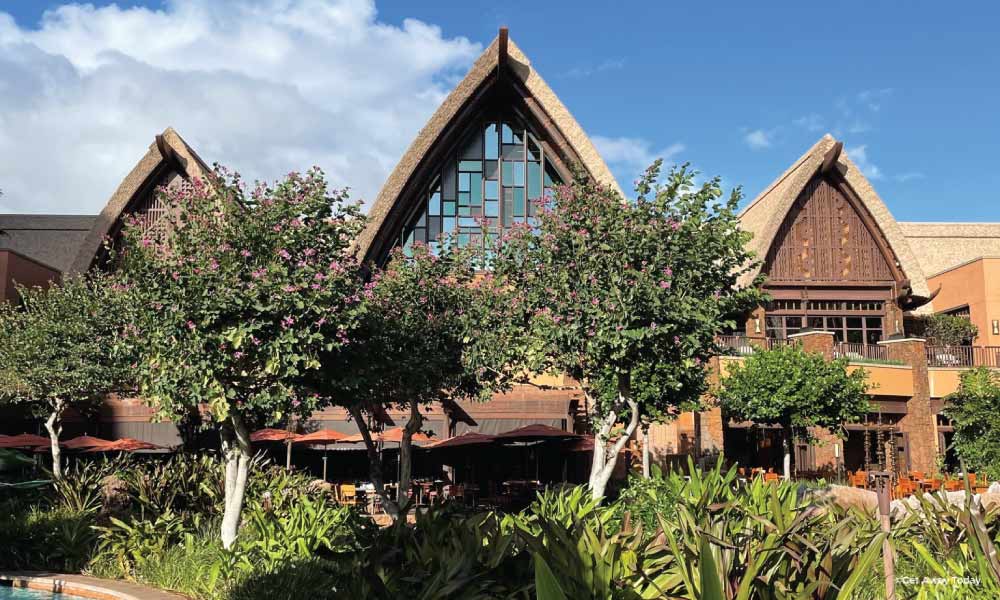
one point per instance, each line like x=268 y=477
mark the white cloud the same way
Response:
x=909 y=176
x=859 y=154
x=810 y=122
x=610 y=64
x=628 y=157
x=265 y=87
x=758 y=139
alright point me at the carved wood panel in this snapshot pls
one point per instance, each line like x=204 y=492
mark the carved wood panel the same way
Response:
x=823 y=238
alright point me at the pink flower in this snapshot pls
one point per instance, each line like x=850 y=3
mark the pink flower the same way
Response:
x=175 y=275
x=595 y=301
x=237 y=355
x=214 y=265
x=277 y=228
x=287 y=322
x=245 y=253
x=677 y=340
x=146 y=242
x=668 y=272
x=665 y=285
x=309 y=251
x=284 y=254
x=289 y=289
x=190 y=325
x=296 y=403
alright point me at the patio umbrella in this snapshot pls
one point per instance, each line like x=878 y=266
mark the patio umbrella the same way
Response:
x=83 y=442
x=24 y=440
x=470 y=438
x=391 y=435
x=323 y=437
x=124 y=445
x=276 y=435
x=536 y=433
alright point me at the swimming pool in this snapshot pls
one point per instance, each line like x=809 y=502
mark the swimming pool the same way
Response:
x=12 y=593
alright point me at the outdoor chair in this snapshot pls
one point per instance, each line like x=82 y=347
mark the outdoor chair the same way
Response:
x=918 y=475
x=859 y=479
x=348 y=494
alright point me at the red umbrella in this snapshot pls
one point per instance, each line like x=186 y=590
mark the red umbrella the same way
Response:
x=25 y=440
x=323 y=436
x=124 y=445
x=534 y=433
x=391 y=435
x=83 y=442
x=272 y=435
x=470 y=438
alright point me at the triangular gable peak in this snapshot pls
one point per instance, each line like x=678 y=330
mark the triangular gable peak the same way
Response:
x=821 y=223
x=169 y=161
x=498 y=138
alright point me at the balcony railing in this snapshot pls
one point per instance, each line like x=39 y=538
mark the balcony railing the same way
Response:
x=860 y=351
x=963 y=356
x=742 y=345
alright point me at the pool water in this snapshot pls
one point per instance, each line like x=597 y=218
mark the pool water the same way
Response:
x=12 y=593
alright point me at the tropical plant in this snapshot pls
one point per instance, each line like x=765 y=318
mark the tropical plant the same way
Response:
x=57 y=350
x=626 y=297
x=795 y=389
x=240 y=291
x=949 y=330
x=973 y=412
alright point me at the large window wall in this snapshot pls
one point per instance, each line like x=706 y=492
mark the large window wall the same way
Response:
x=497 y=178
x=850 y=321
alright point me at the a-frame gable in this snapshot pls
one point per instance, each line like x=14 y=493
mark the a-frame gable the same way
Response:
x=168 y=161
x=501 y=80
x=846 y=200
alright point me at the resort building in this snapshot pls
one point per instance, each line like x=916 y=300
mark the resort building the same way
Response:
x=845 y=278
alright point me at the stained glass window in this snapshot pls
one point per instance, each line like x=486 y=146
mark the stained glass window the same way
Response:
x=496 y=178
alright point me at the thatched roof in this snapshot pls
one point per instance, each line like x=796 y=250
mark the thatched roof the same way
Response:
x=168 y=154
x=943 y=246
x=485 y=66
x=763 y=216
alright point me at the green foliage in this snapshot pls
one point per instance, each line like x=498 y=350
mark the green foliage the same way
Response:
x=973 y=411
x=239 y=293
x=795 y=389
x=949 y=330
x=41 y=537
x=646 y=500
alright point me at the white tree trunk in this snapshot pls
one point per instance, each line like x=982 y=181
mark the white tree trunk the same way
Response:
x=605 y=453
x=54 y=426
x=375 y=464
x=787 y=462
x=236 y=447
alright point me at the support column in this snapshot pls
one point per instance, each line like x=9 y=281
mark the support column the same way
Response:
x=824 y=452
x=919 y=423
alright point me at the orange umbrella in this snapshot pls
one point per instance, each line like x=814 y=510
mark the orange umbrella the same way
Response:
x=323 y=436
x=124 y=445
x=272 y=435
x=84 y=441
x=391 y=435
x=25 y=440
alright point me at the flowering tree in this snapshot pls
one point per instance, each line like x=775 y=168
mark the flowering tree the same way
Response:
x=422 y=324
x=795 y=389
x=627 y=296
x=57 y=350
x=242 y=292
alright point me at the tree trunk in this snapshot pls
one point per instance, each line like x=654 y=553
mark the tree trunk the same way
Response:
x=54 y=426
x=413 y=425
x=374 y=463
x=605 y=455
x=787 y=462
x=236 y=448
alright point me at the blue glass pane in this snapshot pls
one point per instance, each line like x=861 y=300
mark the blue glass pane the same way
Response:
x=492 y=143
x=534 y=180
x=492 y=190
x=468 y=222
x=534 y=151
x=518 y=173
x=463 y=198
x=449 y=224
x=470 y=165
x=422 y=220
x=464 y=211
x=434 y=204
x=492 y=209
x=508 y=173
x=463 y=182
x=508 y=134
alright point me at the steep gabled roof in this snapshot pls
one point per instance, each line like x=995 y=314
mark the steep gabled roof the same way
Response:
x=556 y=116
x=168 y=153
x=52 y=240
x=763 y=217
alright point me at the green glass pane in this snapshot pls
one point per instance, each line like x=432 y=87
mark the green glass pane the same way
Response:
x=449 y=208
x=463 y=182
x=476 y=182
x=492 y=208
x=534 y=180
x=519 y=202
x=463 y=198
x=518 y=173
x=470 y=165
x=492 y=190
x=464 y=211
x=434 y=204
x=492 y=143
x=508 y=173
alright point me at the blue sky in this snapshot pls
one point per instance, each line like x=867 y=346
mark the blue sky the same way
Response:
x=738 y=89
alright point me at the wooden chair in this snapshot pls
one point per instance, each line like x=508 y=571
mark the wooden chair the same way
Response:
x=349 y=494
x=918 y=475
x=859 y=479
x=953 y=485
x=771 y=476
x=934 y=485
